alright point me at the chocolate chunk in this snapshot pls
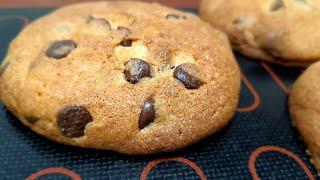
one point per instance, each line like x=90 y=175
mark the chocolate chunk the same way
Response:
x=277 y=5
x=184 y=75
x=72 y=120
x=4 y=67
x=147 y=114
x=136 y=69
x=32 y=119
x=124 y=30
x=101 y=21
x=126 y=42
x=60 y=49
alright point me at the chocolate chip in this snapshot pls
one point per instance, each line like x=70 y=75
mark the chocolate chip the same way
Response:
x=276 y=5
x=60 y=49
x=147 y=114
x=89 y=19
x=183 y=74
x=72 y=120
x=123 y=29
x=32 y=119
x=101 y=21
x=4 y=67
x=126 y=42
x=237 y=21
x=136 y=69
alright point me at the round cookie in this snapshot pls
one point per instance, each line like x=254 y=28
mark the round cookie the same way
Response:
x=136 y=80
x=284 y=32
x=304 y=104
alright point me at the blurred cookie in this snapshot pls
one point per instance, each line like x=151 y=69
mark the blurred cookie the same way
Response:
x=132 y=77
x=304 y=103
x=284 y=32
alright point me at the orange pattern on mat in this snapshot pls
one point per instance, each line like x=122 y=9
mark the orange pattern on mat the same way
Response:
x=54 y=170
x=255 y=154
x=276 y=78
x=183 y=160
x=254 y=93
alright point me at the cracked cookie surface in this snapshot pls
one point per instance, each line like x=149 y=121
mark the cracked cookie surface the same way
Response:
x=105 y=75
x=284 y=32
x=304 y=106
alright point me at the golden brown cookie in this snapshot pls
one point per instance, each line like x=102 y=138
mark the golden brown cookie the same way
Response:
x=284 y=32
x=132 y=77
x=304 y=103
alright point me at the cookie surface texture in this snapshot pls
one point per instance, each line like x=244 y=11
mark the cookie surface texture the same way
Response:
x=284 y=32
x=304 y=105
x=132 y=77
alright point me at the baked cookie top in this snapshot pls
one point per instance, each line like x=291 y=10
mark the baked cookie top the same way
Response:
x=132 y=77
x=279 y=31
x=304 y=103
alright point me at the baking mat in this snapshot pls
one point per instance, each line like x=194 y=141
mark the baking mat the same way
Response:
x=260 y=141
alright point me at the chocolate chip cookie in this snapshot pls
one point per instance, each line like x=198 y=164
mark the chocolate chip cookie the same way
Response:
x=132 y=77
x=304 y=103
x=284 y=32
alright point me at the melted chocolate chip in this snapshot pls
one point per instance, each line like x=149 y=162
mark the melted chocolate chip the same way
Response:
x=101 y=21
x=277 y=5
x=4 y=67
x=147 y=114
x=72 y=120
x=32 y=119
x=189 y=80
x=126 y=42
x=123 y=29
x=60 y=49
x=136 y=69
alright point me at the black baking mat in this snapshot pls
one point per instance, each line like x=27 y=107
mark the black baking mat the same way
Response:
x=263 y=121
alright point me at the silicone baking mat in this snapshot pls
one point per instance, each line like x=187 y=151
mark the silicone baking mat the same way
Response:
x=260 y=141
